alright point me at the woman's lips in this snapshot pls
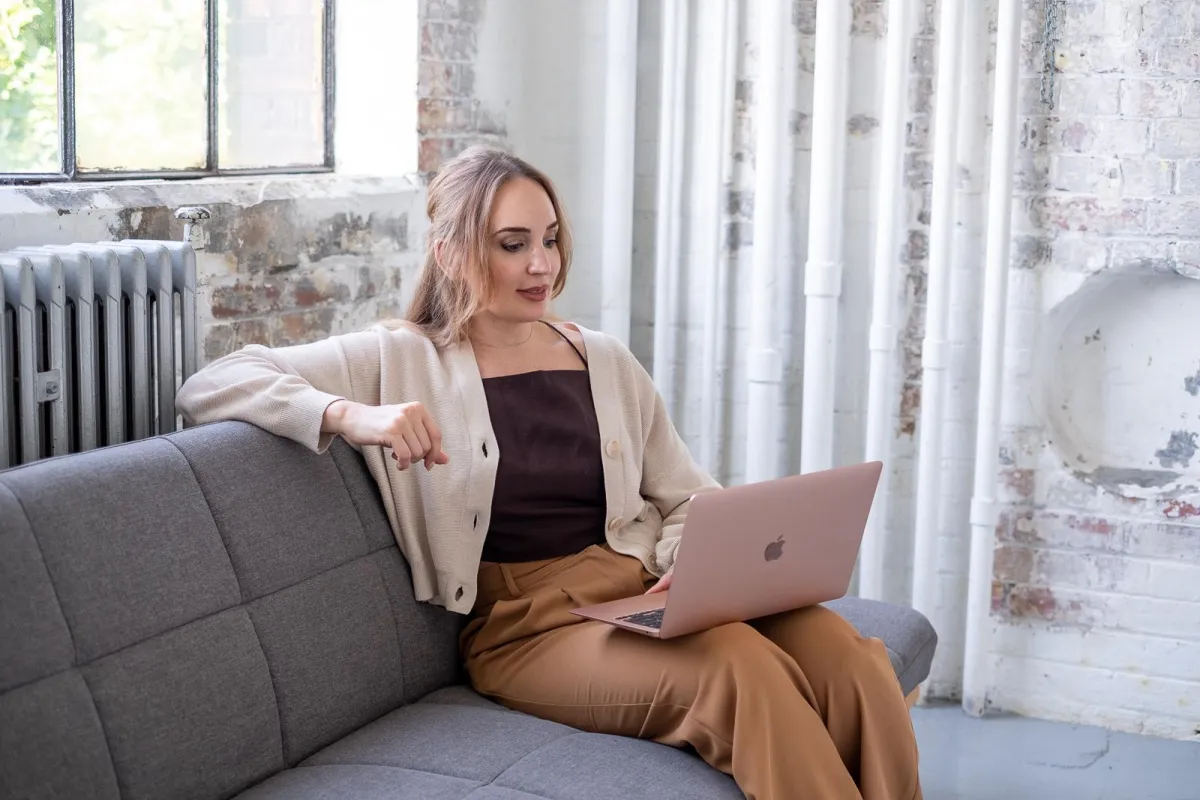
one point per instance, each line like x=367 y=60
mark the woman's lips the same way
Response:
x=537 y=295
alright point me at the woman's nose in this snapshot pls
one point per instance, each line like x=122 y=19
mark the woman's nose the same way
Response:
x=539 y=264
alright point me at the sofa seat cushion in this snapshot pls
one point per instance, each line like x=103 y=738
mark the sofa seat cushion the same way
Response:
x=455 y=745
x=907 y=634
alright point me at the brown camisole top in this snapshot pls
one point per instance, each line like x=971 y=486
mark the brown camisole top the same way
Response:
x=549 y=496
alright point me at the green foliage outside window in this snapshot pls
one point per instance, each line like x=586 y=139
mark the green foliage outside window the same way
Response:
x=29 y=140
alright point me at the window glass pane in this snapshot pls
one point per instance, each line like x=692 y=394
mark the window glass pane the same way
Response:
x=271 y=83
x=141 y=82
x=29 y=139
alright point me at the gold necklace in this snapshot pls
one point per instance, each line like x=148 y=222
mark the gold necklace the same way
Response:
x=507 y=346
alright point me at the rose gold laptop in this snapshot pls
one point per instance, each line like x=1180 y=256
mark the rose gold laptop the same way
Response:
x=754 y=550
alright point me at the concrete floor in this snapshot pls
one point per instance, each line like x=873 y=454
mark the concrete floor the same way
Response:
x=1012 y=758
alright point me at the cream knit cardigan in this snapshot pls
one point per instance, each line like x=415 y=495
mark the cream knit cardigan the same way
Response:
x=440 y=517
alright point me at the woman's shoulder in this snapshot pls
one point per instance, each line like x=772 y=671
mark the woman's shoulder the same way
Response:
x=402 y=336
x=616 y=352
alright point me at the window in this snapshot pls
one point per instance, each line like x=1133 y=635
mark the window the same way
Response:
x=110 y=89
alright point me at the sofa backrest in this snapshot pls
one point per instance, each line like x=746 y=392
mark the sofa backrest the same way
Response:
x=186 y=615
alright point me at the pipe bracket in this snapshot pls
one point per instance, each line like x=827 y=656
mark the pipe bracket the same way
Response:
x=765 y=366
x=823 y=279
x=934 y=354
x=883 y=338
x=983 y=512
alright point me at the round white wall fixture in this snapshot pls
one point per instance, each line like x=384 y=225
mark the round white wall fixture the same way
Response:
x=1117 y=382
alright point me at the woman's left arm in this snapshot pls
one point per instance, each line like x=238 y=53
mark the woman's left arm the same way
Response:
x=670 y=476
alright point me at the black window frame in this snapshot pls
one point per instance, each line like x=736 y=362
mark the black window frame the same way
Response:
x=65 y=11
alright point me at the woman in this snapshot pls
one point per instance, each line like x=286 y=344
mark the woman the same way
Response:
x=529 y=468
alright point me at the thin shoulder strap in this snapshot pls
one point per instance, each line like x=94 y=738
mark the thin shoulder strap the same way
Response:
x=567 y=340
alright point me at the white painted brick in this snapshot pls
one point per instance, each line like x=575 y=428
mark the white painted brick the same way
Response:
x=1088 y=214
x=1082 y=21
x=1151 y=656
x=1188 y=181
x=1177 y=138
x=1104 y=135
x=1103 y=57
x=1146 y=177
x=1188 y=253
x=1165 y=19
x=1179 y=57
x=1079 y=253
x=1174 y=217
x=1122 y=22
x=1143 y=97
x=1078 y=694
x=1143 y=252
x=1086 y=174
x=1190 y=102
x=1088 y=94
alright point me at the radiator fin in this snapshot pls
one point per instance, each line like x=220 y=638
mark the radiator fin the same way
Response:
x=95 y=340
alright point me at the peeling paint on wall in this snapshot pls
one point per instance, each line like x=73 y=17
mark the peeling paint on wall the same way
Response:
x=317 y=256
x=1191 y=384
x=1180 y=449
x=1178 y=509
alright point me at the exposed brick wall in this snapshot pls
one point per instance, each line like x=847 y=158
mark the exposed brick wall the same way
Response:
x=449 y=115
x=1096 y=588
x=286 y=260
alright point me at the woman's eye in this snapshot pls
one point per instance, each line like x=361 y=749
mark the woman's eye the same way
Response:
x=511 y=247
x=551 y=242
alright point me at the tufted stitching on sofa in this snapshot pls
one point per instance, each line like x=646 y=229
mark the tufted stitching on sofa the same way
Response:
x=74 y=648
x=242 y=595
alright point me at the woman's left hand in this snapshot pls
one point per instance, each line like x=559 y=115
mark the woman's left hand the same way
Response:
x=663 y=584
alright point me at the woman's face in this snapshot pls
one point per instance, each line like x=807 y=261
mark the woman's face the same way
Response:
x=522 y=251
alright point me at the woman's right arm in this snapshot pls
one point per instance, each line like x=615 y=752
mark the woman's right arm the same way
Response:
x=310 y=393
x=286 y=390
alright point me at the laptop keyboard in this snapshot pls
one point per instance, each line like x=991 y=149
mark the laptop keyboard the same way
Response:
x=649 y=619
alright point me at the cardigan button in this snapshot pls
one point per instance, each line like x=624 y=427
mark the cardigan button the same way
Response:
x=613 y=449
x=615 y=523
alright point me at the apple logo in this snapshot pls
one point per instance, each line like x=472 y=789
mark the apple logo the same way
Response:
x=774 y=550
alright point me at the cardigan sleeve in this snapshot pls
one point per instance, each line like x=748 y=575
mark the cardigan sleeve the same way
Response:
x=284 y=390
x=670 y=476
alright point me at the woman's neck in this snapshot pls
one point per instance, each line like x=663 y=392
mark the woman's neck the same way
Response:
x=488 y=331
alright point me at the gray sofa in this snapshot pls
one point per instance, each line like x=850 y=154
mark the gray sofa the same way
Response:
x=219 y=613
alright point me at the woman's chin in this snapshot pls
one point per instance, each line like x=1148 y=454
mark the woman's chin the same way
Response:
x=531 y=312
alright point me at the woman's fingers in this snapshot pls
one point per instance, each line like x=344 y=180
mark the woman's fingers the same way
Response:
x=436 y=454
x=413 y=443
x=662 y=585
x=401 y=453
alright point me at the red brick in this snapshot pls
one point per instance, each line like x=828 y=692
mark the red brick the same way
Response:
x=1013 y=563
x=445 y=116
x=1074 y=213
x=1021 y=482
x=247 y=298
x=1032 y=602
x=226 y=338
x=1179 y=509
x=302 y=327
x=306 y=292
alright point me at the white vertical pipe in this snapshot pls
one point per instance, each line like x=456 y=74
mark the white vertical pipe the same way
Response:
x=620 y=105
x=995 y=296
x=720 y=39
x=823 y=272
x=934 y=350
x=667 y=264
x=962 y=362
x=765 y=365
x=900 y=14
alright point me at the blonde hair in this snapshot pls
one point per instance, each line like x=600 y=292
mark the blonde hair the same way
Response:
x=455 y=287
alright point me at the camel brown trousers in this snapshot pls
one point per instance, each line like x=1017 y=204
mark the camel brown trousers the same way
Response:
x=793 y=706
